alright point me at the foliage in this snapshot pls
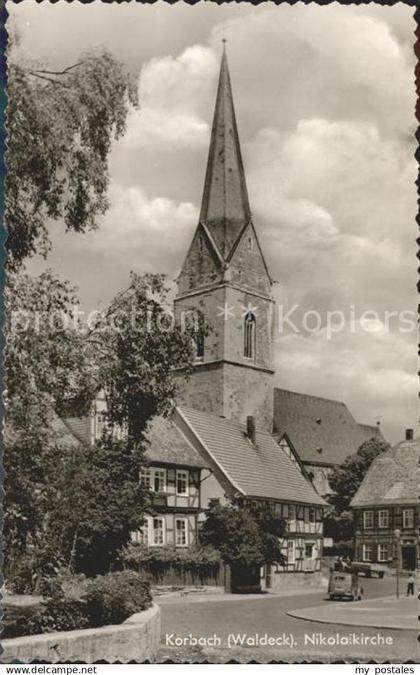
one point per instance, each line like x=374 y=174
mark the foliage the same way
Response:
x=102 y=498
x=244 y=534
x=64 y=584
x=83 y=501
x=201 y=561
x=114 y=597
x=76 y=602
x=345 y=480
x=60 y=126
x=139 y=350
x=101 y=502
x=28 y=572
x=46 y=370
x=57 y=615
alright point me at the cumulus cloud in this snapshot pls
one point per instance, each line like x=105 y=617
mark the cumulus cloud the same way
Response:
x=358 y=368
x=325 y=103
x=335 y=201
x=171 y=91
x=140 y=233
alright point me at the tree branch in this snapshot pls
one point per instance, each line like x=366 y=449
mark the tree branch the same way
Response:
x=59 y=72
x=48 y=79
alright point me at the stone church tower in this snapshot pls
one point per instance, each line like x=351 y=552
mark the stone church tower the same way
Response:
x=225 y=278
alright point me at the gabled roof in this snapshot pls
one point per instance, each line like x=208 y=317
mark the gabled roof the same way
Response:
x=168 y=445
x=322 y=430
x=225 y=204
x=393 y=477
x=371 y=431
x=260 y=471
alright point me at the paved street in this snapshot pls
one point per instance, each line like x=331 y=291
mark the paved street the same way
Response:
x=297 y=639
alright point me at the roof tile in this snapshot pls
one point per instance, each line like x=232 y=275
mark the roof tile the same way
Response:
x=263 y=470
x=392 y=478
x=321 y=429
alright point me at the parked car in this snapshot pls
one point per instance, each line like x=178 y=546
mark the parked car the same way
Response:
x=367 y=569
x=344 y=585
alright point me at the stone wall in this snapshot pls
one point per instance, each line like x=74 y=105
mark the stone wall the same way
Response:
x=298 y=580
x=136 y=639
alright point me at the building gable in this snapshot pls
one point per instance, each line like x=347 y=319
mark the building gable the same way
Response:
x=202 y=265
x=247 y=264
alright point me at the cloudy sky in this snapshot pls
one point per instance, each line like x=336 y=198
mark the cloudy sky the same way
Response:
x=325 y=106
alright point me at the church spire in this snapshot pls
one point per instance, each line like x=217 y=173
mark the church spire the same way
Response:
x=225 y=206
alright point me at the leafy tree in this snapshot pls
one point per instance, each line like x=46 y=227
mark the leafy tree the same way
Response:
x=97 y=498
x=60 y=126
x=245 y=535
x=345 y=481
x=48 y=365
x=140 y=348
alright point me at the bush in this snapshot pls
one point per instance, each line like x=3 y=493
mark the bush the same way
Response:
x=112 y=598
x=28 y=573
x=76 y=602
x=64 y=585
x=57 y=615
x=200 y=561
x=22 y=578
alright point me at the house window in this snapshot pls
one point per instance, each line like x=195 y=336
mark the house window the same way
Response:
x=145 y=478
x=408 y=518
x=311 y=515
x=249 y=335
x=158 y=482
x=309 y=550
x=368 y=520
x=181 y=532
x=291 y=551
x=200 y=243
x=182 y=482
x=250 y=243
x=141 y=536
x=367 y=552
x=383 y=552
x=158 y=532
x=100 y=425
x=383 y=518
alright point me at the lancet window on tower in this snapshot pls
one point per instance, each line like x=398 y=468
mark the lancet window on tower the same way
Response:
x=249 y=335
x=199 y=345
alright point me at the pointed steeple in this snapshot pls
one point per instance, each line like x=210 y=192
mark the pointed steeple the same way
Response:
x=225 y=206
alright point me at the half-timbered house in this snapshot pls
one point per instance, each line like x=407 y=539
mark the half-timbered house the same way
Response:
x=172 y=477
x=387 y=510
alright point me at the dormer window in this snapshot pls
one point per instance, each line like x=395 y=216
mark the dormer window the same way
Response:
x=287 y=449
x=249 y=335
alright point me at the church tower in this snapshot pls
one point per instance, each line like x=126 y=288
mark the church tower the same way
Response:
x=225 y=279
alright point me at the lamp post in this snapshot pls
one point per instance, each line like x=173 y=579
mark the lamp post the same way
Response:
x=397 y=535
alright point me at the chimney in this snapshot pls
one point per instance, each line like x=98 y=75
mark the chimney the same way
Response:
x=250 y=428
x=409 y=434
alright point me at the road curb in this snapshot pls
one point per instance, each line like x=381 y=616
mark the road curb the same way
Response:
x=334 y=620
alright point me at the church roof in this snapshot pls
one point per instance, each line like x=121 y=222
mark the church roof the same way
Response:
x=225 y=206
x=168 y=445
x=260 y=471
x=392 y=478
x=322 y=430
